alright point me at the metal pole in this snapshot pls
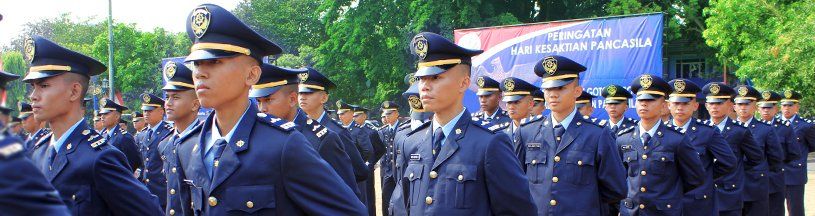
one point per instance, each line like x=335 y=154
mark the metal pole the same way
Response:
x=110 y=50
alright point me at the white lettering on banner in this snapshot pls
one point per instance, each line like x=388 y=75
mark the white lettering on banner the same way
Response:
x=579 y=34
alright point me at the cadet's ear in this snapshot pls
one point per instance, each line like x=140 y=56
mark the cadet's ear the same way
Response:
x=254 y=75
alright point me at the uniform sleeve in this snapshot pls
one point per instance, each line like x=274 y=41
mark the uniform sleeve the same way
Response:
x=360 y=170
x=611 y=175
x=331 y=152
x=507 y=186
x=725 y=158
x=790 y=142
x=398 y=204
x=120 y=190
x=753 y=151
x=689 y=165
x=131 y=150
x=809 y=137
x=378 y=147
x=363 y=142
x=775 y=152
x=312 y=185
x=25 y=191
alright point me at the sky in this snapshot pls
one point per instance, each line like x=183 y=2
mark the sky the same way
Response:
x=146 y=14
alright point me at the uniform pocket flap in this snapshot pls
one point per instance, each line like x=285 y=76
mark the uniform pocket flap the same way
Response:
x=250 y=198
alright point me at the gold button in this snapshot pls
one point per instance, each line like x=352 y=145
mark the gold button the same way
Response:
x=172 y=191
x=642 y=206
x=704 y=196
x=552 y=202
x=213 y=201
x=73 y=197
x=557 y=158
x=461 y=177
x=534 y=162
x=147 y=181
x=645 y=147
x=172 y=212
x=644 y=157
x=734 y=185
x=173 y=170
x=669 y=205
x=146 y=159
x=580 y=163
x=558 y=138
x=642 y=189
x=428 y=200
x=663 y=159
x=250 y=204
x=762 y=175
x=642 y=172
x=434 y=174
x=411 y=175
x=555 y=179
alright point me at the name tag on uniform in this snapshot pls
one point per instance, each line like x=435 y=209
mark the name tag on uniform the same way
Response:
x=415 y=157
x=533 y=145
x=625 y=147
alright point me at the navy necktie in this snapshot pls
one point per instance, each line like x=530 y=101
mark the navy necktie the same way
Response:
x=646 y=139
x=559 y=131
x=438 y=136
x=216 y=151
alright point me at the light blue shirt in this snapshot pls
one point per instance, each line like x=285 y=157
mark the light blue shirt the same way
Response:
x=748 y=121
x=447 y=128
x=565 y=122
x=61 y=141
x=651 y=131
x=722 y=124
x=790 y=119
x=393 y=126
x=213 y=135
x=619 y=123
x=154 y=128
x=320 y=119
x=110 y=132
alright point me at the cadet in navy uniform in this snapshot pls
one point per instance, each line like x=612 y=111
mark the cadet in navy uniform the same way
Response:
x=518 y=96
x=795 y=172
x=312 y=96
x=730 y=186
x=276 y=94
x=572 y=162
x=35 y=128
x=615 y=104
x=345 y=118
x=118 y=137
x=540 y=105
x=391 y=124
x=716 y=155
x=23 y=188
x=181 y=108
x=756 y=178
x=489 y=95
x=661 y=161
x=768 y=105
x=158 y=130
x=583 y=104
x=360 y=118
x=240 y=161
x=139 y=126
x=92 y=177
x=453 y=165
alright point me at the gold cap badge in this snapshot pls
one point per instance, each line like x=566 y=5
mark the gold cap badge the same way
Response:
x=420 y=46
x=169 y=69
x=646 y=81
x=550 y=65
x=509 y=84
x=679 y=86
x=199 y=21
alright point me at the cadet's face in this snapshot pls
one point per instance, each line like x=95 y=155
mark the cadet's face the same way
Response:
x=221 y=82
x=50 y=96
x=789 y=110
x=519 y=109
x=30 y=124
x=616 y=111
x=586 y=110
x=649 y=109
x=683 y=110
x=489 y=102
x=278 y=104
x=392 y=116
x=538 y=108
x=768 y=113
x=745 y=110
x=180 y=104
x=98 y=125
x=310 y=101
x=152 y=117
x=562 y=99
x=110 y=119
x=138 y=125
x=441 y=92
x=346 y=117
x=719 y=110
x=360 y=118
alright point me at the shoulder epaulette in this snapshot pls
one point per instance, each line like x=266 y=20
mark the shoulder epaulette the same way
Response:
x=403 y=126
x=634 y=120
x=626 y=130
x=739 y=123
x=603 y=122
x=11 y=150
x=422 y=126
x=675 y=128
x=498 y=127
x=276 y=122
x=96 y=141
x=531 y=119
x=593 y=121
x=318 y=129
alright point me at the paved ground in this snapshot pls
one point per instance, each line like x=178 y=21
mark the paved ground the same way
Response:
x=809 y=194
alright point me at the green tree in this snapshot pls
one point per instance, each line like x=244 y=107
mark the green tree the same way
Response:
x=15 y=91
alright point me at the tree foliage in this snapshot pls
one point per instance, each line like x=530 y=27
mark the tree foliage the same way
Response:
x=14 y=63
